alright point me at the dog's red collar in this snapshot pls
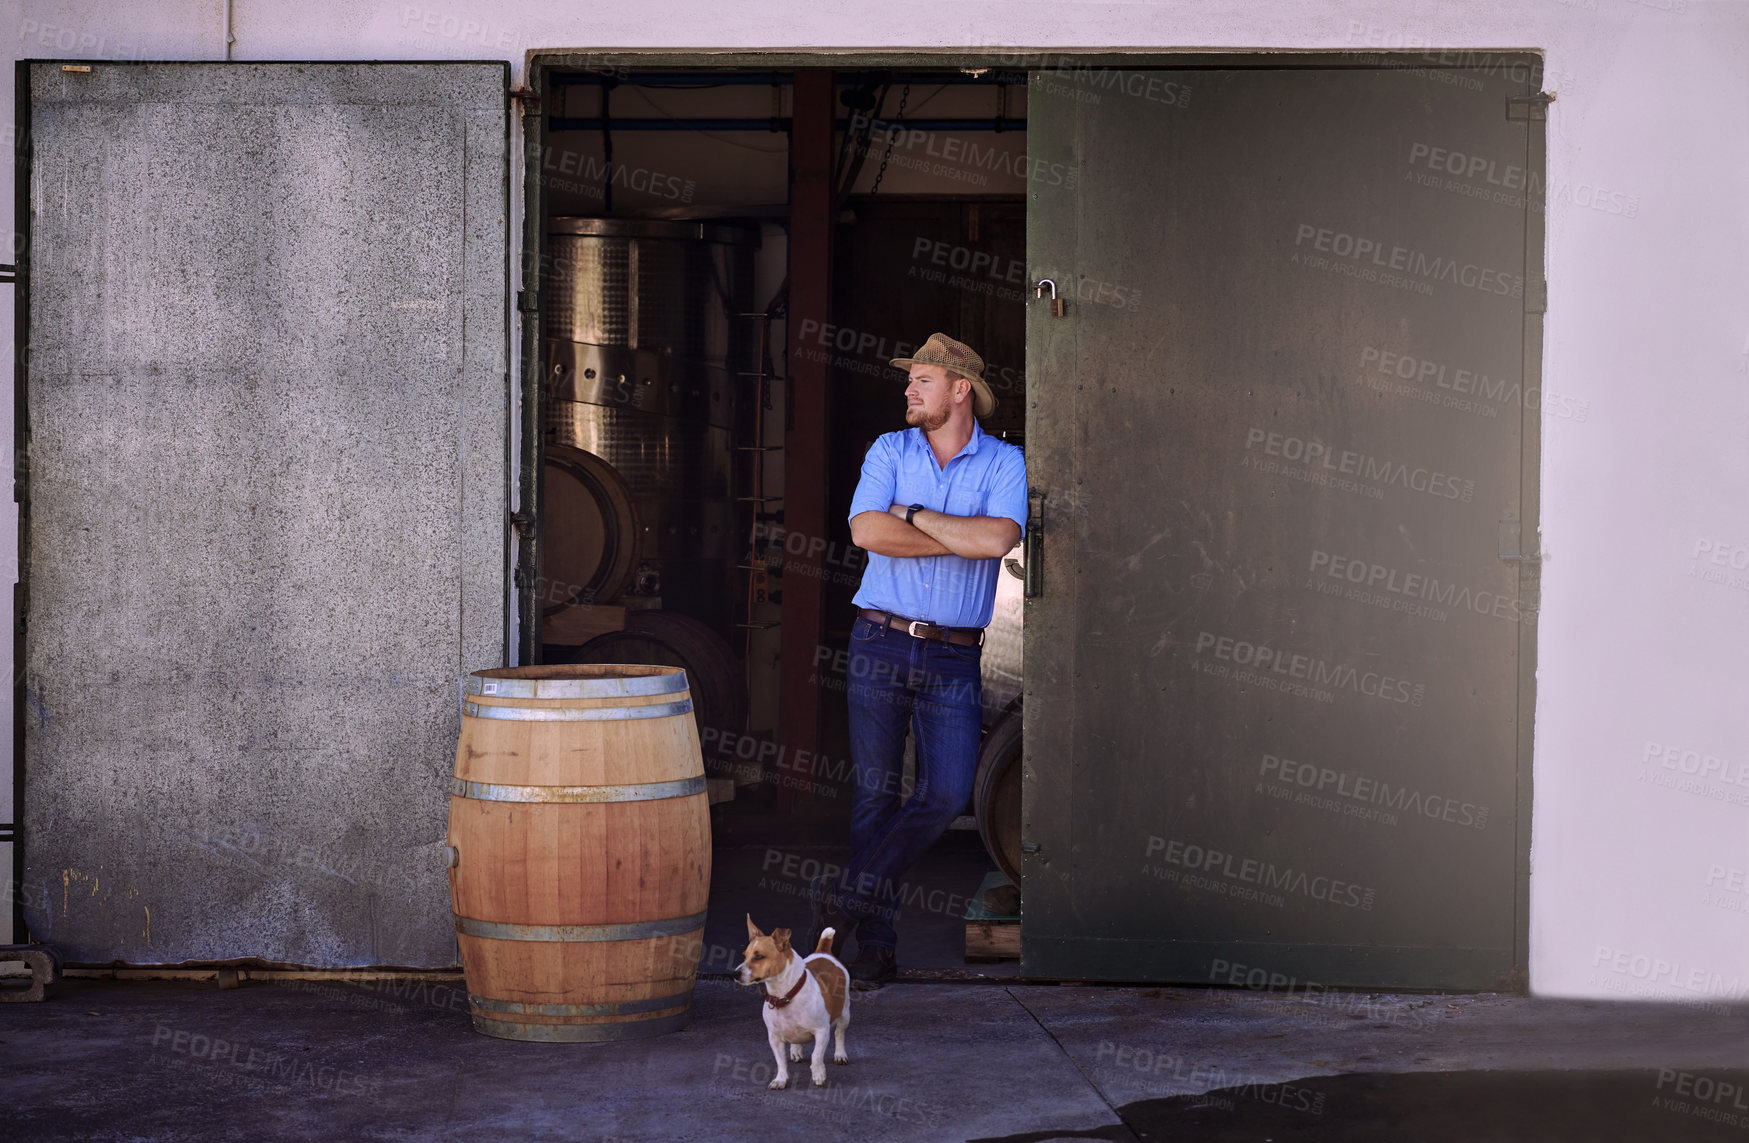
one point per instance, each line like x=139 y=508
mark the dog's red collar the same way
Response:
x=783 y=1001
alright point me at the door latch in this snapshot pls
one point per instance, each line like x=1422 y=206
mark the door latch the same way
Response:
x=1058 y=305
x=1035 y=546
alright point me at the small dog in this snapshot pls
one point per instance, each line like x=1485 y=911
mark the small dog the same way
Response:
x=803 y=998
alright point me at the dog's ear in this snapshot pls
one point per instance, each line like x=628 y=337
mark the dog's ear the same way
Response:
x=781 y=936
x=753 y=932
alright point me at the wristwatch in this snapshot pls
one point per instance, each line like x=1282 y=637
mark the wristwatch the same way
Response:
x=912 y=511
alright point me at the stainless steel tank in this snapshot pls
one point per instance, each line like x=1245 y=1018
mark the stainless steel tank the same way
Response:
x=643 y=343
x=1001 y=659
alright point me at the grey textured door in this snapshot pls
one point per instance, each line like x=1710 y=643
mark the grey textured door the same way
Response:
x=266 y=531
x=1277 y=678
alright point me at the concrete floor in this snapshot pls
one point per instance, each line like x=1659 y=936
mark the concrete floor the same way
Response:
x=984 y=1057
x=993 y=1061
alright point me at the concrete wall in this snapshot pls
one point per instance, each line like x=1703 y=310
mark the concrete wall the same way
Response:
x=1641 y=831
x=268 y=452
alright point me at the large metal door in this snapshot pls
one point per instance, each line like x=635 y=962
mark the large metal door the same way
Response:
x=1278 y=667
x=264 y=532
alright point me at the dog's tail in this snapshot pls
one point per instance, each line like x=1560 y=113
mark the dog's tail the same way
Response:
x=825 y=945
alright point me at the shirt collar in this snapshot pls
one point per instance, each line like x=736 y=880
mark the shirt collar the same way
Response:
x=921 y=441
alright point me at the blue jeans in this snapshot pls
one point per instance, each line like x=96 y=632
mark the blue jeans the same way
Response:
x=934 y=687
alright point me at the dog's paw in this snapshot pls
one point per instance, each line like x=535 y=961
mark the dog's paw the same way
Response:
x=778 y=1084
x=841 y=1059
x=795 y=1053
x=820 y=1078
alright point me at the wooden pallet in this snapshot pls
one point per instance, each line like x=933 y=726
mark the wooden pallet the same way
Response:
x=991 y=935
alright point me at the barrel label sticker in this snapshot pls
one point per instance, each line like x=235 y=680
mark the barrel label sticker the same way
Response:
x=489 y=687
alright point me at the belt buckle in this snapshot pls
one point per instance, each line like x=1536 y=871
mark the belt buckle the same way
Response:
x=911 y=628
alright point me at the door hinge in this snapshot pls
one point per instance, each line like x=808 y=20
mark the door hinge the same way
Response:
x=525 y=577
x=1525 y=107
x=1536 y=296
x=528 y=97
x=528 y=301
x=1511 y=541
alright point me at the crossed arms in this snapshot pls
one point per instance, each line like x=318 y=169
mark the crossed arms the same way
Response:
x=933 y=534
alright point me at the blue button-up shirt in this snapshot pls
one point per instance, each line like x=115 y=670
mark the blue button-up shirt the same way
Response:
x=986 y=478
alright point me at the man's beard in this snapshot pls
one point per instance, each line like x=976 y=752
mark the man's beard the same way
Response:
x=924 y=421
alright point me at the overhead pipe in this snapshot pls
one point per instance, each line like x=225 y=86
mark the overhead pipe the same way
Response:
x=730 y=79
x=596 y=124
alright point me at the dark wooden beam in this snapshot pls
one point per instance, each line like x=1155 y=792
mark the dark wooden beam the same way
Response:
x=804 y=463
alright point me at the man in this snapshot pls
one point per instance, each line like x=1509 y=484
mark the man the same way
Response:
x=938 y=506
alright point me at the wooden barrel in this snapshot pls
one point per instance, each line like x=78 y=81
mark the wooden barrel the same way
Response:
x=996 y=794
x=719 y=689
x=580 y=851
x=591 y=532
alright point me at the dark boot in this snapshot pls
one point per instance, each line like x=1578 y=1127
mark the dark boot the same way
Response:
x=875 y=965
x=823 y=914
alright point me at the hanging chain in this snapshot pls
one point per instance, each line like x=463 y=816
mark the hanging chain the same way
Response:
x=900 y=118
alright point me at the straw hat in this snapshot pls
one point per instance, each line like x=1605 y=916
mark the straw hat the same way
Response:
x=944 y=351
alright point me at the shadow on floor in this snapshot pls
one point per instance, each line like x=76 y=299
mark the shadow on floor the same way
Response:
x=770 y=882
x=1445 y=1107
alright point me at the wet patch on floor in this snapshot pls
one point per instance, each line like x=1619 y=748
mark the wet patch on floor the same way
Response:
x=1446 y=1107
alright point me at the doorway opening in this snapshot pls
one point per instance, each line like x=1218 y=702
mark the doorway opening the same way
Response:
x=673 y=343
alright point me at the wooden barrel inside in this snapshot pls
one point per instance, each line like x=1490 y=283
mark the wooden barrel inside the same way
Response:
x=590 y=531
x=996 y=794
x=581 y=851
x=719 y=688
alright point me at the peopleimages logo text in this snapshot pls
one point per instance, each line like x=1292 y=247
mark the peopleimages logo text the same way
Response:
x=968 y=154
x=1316 y=454
x=1389 y=256
x=1309 y=669
x=1509 y=177
x=1471 y=383
x=1357 y=787
x=1414 y=585
x=1261 y=873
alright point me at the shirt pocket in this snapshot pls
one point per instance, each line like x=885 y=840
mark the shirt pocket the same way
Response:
x=968 y=501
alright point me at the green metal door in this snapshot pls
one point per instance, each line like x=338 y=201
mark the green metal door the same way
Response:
x=1278 y=665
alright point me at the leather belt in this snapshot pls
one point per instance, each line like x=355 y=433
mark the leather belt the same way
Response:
x=917 y=628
